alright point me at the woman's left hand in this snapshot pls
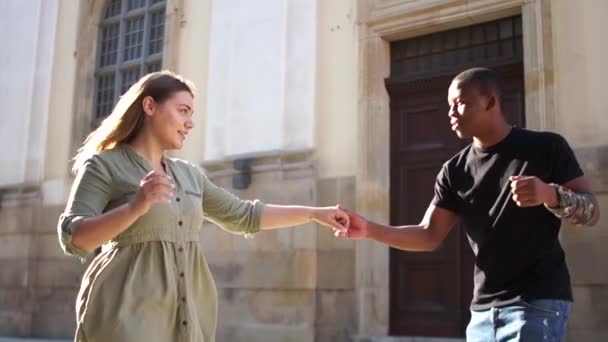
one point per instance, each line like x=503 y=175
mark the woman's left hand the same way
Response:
x=332 y=217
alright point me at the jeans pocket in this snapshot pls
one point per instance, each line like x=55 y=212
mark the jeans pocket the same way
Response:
x=539 y=307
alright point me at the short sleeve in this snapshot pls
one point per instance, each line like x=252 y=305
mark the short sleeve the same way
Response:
x=230 y=212
x=563 y=163
x=445 y=197
x=89 y=196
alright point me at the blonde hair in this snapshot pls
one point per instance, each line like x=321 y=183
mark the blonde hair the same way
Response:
x=127 y=117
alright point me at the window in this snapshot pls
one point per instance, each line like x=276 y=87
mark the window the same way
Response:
x=130 y=45
x=495 y=41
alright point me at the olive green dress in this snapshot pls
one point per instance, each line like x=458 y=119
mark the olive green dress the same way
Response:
x=151 y=282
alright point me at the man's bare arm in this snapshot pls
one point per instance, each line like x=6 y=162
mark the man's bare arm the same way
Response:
x=425 y=236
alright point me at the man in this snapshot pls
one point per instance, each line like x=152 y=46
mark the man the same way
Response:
x=510 y=188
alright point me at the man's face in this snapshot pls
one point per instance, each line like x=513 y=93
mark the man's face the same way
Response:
x=467 y=109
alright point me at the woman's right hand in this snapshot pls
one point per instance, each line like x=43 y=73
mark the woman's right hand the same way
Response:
x=358 y=228
x=155 y=187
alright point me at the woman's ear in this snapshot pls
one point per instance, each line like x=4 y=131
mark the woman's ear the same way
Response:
x=148 y=105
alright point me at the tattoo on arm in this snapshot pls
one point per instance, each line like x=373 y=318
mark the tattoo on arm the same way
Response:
x=576 y=208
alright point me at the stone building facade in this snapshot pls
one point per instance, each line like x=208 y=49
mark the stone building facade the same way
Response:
x=306 y=93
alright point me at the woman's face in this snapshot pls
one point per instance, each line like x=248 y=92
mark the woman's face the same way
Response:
x=171 y=120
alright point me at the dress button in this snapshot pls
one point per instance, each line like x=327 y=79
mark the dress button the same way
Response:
x=184 y=299
x=181 y=274
x=177 y=199
x=180 y=223
x=181 y=249
x=185 y=323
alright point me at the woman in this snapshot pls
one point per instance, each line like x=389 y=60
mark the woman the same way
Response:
x=151 y=282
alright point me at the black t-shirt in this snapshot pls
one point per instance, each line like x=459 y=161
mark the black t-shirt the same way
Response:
x=517 y=251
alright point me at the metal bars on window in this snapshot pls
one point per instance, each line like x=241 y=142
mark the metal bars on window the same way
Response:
x=490 y=42
x=130 y=44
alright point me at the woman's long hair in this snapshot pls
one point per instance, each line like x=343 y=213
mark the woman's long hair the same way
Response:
x=127 y=118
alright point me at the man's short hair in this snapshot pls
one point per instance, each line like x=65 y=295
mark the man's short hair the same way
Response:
x=486 y=80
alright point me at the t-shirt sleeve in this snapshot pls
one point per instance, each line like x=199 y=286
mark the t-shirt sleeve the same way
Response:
x=445 y=197
x=564 y=166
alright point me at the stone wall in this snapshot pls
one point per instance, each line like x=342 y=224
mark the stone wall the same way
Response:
x=38 y=283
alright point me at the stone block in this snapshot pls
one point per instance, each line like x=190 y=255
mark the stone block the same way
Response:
x=336 y=315
x=15 y=323
x=15 y=246
x=55 y=314
x=305 y=236
x=382 y=338
x=347 y=191
x=586 y=253
x=303 y=173
x=246 y=245
x=58 y=273
x=15 y=299
x=215 y=239
x=274 y=240
x=275 y=187
x=336 y=190
x=48 y=218
x=336 y=269
x=60 y=325
x=55 y=300
x=277 y=307
x=46 y=245
x=15 y=273
x=17 y=219
x=584 y=335
x=265 y=270
x=373 y=311
x=372 y=260
x=327 y=191
x=295 y=191
x=327 y=241
x=265 y=333
x=324 y=334
x=590 y=308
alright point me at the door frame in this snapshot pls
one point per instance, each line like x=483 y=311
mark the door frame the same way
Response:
x=385 y=21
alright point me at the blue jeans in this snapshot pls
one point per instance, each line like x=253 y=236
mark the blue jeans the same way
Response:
x=537 y=320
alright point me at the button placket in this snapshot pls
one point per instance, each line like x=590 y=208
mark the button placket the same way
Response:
x=180 y=262
x=182 y=305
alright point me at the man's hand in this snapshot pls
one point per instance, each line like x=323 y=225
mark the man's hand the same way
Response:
x=530 y=191
x=358 y=228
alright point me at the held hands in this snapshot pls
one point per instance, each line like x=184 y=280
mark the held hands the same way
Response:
x=155 y=187
x=332 y=217
x=530 y=191
x=358 y=228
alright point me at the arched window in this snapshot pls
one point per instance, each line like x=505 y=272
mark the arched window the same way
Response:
x=129 y=45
